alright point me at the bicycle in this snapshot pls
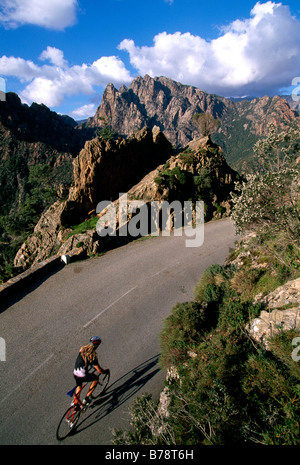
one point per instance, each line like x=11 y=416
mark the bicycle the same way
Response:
x=70 y=418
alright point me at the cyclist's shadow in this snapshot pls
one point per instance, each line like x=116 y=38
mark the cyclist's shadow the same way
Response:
x=119 y=392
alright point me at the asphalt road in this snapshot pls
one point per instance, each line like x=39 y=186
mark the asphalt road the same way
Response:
x=123 y=296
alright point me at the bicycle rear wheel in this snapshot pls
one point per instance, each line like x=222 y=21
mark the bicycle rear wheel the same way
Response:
x=101 y=386
x=68 y=423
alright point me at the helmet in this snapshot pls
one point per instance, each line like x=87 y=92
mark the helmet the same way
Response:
x=95 y=340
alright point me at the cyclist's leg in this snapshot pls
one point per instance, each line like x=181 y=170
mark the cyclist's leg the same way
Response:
x=77 y=390
x=92 y=388
x=94 y=381
x=77 y=395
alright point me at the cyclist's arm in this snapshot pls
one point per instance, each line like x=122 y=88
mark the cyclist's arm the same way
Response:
x=100 y=369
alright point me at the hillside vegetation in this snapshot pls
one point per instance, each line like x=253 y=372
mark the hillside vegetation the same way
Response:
x=223 y=386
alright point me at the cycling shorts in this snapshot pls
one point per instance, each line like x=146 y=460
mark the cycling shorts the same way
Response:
x=87 y=378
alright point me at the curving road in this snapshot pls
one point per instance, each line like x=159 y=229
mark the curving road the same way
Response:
x=123 y=296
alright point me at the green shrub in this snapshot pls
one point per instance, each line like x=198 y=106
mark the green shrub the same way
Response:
x=281 y=347
x=244 y=282
x=182 y=330
x=187 y=156
x=235 y=313
x=209 y=288
x=106 y=132
x=271 y=400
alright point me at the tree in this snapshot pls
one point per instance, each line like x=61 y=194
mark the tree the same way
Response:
x=206 y=123
x=40 y=194
x=280 y=149
x=268 y=202
x=106 y=132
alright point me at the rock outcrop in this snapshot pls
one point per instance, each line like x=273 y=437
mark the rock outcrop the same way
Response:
x=102 y=171
x=282 y=313
x=45 y=239
x=201 y=155
x=106 y=168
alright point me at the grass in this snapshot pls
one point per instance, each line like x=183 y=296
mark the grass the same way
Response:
x=84 y=226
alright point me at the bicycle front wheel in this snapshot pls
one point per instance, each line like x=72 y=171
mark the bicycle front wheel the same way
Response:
x=101 y=386
x=67 y=423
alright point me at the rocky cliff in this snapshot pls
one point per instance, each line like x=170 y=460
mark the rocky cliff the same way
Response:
x=102 y=170
x=162 y=102
x=106 y=168
x=282 y=313
x=199 y=172
x=136 y=166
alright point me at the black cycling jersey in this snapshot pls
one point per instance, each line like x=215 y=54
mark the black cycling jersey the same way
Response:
x=81 y=368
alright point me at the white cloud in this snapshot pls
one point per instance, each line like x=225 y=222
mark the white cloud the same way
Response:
x=257 y=55
x=52 y=83
x=84 y=112
x=111 y=69
x=52 y=14
x=54 y=55
x=43 y=90
x=24 y=70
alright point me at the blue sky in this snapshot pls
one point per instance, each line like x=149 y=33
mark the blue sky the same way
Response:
x=63 y=53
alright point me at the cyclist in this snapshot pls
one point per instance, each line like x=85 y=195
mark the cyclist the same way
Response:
x=86 y=358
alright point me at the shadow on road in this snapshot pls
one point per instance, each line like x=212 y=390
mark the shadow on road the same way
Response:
x=119 y=392
x=16 y=292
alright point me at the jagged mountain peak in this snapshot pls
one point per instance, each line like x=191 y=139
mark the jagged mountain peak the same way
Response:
x=170 y=105
x=158 y=101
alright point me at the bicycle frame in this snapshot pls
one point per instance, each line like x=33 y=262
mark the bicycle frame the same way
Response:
x=71 y=416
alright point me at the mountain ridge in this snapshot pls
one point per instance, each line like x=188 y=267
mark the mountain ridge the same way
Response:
x=170 y=105
x=35 y=135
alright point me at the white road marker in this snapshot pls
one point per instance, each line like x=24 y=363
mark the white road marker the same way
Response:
x=27 y=377
x=109 y=306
